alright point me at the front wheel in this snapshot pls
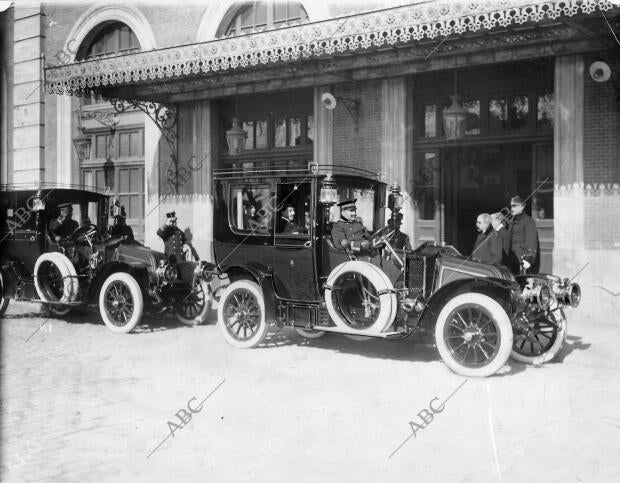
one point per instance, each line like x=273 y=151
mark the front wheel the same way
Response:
x=473 y=335
x=241 y=314
x=121 y=302
x=195 y=307
x=542 y=340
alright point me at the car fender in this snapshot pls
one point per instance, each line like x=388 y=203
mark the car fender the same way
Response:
x=136 y=270
x=498 y=289
x=263 y=276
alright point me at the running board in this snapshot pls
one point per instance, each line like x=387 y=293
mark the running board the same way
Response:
x=381 y=335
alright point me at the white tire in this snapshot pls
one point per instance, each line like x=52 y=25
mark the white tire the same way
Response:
x=473 y=335
x=543 y=343
x=196 y=307
x=4 y=302
x=241 y=314
x=381 y=284
x=66 y=271
x=120 y=302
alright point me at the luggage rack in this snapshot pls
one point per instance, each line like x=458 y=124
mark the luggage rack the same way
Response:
x=313 y=169
x=46 y=185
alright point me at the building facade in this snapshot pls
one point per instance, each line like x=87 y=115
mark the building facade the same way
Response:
x=155 y=90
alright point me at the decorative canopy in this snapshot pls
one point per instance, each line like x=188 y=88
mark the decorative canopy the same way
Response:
x=344 y=35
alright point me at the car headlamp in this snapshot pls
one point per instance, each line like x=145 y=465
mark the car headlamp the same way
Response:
x=574 y=294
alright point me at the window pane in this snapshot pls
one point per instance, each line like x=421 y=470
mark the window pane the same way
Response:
x=472 y=122
x=544 y=111
x=248 y=127
x=519 y=110
x=498 y=115
x=123 y=181
x=426 y=181
x=430 y=121
x=261 y=134
x=124 y=144
x=295 y=221
x=100 y=180
x=261 y=14
x=135 y=180
x=87 y=178
x=310 y=129
x=294 y=131
x=279 y=12
x=135 y=144
x=279 y=127
x=542 y=201
x=101 y=146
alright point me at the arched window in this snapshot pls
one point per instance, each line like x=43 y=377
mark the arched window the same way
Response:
x=114 y=38
x=258 y=16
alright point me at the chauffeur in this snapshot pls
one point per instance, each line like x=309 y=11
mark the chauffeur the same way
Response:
x=173 y=237
x=349 y=229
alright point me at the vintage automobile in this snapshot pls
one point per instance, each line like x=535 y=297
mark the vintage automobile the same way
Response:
x=480 y=314
x=87 y=266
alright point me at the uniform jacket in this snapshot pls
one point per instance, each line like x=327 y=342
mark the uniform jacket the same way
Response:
x=488 y=247
x=122 y=230
x=348 y=230
x=504 y=235
x=523 y=240
x=173 y=239
x=63 y=229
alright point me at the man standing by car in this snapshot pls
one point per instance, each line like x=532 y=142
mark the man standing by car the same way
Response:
x=63 y=226
x=174 y=239
x=349 y=232
x=523 y=239
x=488 y=246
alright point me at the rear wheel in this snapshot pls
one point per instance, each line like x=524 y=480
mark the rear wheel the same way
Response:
x=195 y=306
x=542 y=340
x=4 y=302
x=55 y=278
x=241 y=314
x=121 y=302
x=473 y=335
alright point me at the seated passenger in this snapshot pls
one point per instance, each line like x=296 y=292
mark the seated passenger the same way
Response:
x=63 y=227
x=286 y=223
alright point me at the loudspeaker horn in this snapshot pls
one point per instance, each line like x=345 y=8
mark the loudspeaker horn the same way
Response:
x=328 y=101
x=600 y=71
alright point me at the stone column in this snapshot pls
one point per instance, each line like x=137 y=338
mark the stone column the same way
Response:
x=323 y=126
x=394 y=144
x=28 y=121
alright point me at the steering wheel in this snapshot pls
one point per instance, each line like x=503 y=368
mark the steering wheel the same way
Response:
x=379 y=238
x=82 y=231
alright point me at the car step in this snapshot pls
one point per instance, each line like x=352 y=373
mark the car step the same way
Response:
x=382 y=335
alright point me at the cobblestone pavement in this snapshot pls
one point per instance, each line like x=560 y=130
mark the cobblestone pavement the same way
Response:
x=80 y=403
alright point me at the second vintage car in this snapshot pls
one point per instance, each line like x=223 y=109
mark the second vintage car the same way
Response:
x=55 y=250
x=274 y=243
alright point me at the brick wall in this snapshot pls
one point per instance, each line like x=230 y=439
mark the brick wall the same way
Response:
x=601 y=140
x=358 y=144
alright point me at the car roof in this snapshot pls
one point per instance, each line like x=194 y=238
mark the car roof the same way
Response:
x=55 y=190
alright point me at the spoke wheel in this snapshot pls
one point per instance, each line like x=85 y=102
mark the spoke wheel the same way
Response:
x=473 y=335
x=195 y=307
x=120 y=302
x=542 y=340
x=241 y=314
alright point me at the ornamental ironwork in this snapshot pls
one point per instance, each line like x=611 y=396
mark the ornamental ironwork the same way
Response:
x=362 y=32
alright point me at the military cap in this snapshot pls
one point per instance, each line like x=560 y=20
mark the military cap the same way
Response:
x=171 y=214
x=347 y=204
x=517 y=200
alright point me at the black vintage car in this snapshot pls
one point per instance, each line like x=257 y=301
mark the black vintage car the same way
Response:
x=81 y=264
x=480 y=314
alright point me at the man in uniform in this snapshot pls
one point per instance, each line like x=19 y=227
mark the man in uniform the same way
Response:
x=63 y=226
x=497 y=220
x=174 y=239
x=119 y=227
x=523 y=239
x=348 y=232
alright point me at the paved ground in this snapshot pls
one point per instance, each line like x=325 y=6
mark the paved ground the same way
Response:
x=80 y=403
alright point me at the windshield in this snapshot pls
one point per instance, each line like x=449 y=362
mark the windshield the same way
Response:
x=365 y=204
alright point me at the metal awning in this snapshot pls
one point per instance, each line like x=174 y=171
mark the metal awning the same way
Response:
x=220 y=60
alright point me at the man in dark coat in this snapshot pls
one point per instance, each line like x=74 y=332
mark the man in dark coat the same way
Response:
x=174 y=238
x=286 y=223
x=349 y=232
x=488 y=246
x=119 y=227
x=523 y=239
x=63 y=227
x=497 y=221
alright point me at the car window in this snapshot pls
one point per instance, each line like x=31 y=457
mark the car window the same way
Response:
x=293 y=209
x=251 y=209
